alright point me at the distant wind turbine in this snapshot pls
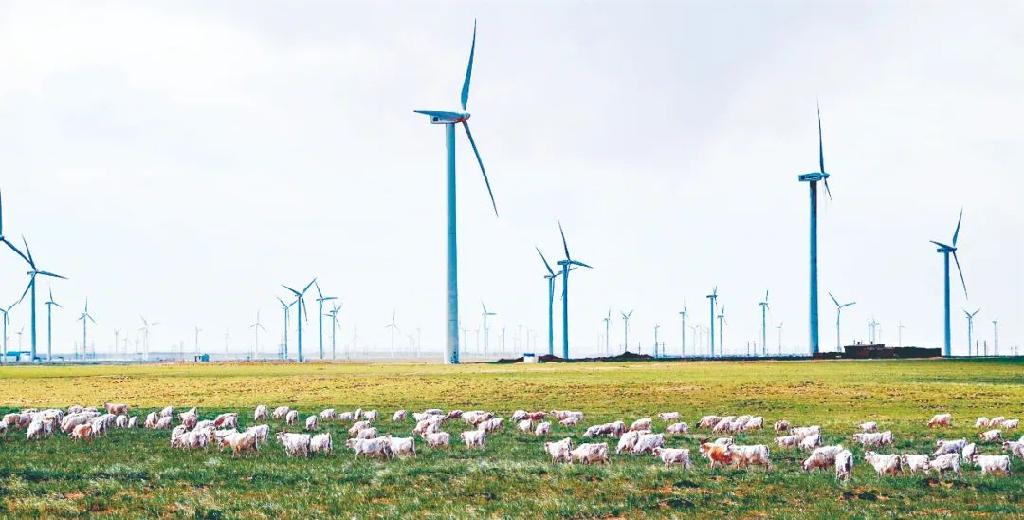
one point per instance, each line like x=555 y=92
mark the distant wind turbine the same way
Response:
x=333 y=314
x=320 y=300
x=607 y=333
x=487 y=331
x=682 y=316
x=394 y=328
x=712 y=299
x=197 y=330
x=285 y=307
x=946 y=250
x=85 y=318
x=301 y=305
x=450 y=119
x=551 y=277
x=625 y=327
x=567 y=265
x=764 y=328
x=872 y=329
x=995 y=337
x=839 y=314
x=256 y=330
x=970 y=330
x=721 y=331
x=49 y=326
x=812 y=180
x=780 y=337
x=656 y=327
x=899 y=329
x=146 y=326
x=7 y=320
x=31 y=288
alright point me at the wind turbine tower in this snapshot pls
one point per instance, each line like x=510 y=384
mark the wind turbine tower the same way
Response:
x=301 y=305
x=625 y=328
x=320 y=301
x=31 y=288
x=682 y=316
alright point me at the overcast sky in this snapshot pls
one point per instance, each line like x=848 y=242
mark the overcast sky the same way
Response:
x=182 y=160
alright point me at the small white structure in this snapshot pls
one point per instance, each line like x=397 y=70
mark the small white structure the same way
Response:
x=530 y=357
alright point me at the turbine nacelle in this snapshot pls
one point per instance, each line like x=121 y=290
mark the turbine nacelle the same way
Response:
x=813 y=177
x=443 y=117
x=943 y=248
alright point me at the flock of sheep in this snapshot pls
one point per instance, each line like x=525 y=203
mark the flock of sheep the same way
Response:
x=191 y=433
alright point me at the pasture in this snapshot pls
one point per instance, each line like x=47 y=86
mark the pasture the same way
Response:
x=135 y=473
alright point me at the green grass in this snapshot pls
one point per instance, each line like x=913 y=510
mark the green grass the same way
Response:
x=136 y=473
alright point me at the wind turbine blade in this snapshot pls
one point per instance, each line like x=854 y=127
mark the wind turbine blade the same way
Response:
x=27 y=287
x=821 y=150
x=581 y=264
x=833 y=299
x=297 y=293
x=959 y=270
x=956 y=234
x=15 y=249
x=28 y=252
x=565 y=245
x=310 y=284
x=55 y=275
x=827 y=189
x=545 y=260
x=940 y=244
x=469 y=69
x=479 y=160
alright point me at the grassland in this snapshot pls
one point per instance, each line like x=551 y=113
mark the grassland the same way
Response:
x=136 y=474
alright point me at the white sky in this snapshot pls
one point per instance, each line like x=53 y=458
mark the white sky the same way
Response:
x=182 y=160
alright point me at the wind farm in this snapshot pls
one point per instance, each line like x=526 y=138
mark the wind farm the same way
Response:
x=179 y=171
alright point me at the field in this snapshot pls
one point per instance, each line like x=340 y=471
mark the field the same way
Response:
x=135 y=473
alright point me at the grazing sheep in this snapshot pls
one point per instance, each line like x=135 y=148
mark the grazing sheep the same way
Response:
x=291 y=417
x=312 y=423
x=915 y=463
x=674 y=456
x=942 y=419
x=782 y=425
x=560 y=451
x=261 y=413
x=474 y=438
x=949 y=462
x=321 y=444
x=398 y=416
x=678 y=428
x=543 y=429
x=883 y=464
x=437 y=440
x=589 y=453
x=366 y=433
x=844 y=465
x=295 y=444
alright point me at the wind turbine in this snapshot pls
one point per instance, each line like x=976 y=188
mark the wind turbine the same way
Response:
x=682 y=315
x=872 y=328
x=656 y=327
x=970 y=329
x=256 y=330
x=145 y=334
x=450 y=119
x=320 y=300
x=197 y=330
x=780 y=337
x=607 y=333
x=333 y=314
x=301 y=305
x=995 y=332
x=7 y=321
x=567 y=265
x=812 y=180
x=487 y=331
x=625 y=327
x=946 y=250
x=285 y=307
x=899 y=329
x=712 y=298
x=764 y=328
x=721 y=330
x=839 y=314
x=117 y=339
x=31 y=287
x=49 y=326
x=84 y=317
x=551 y=277
x=394 y=328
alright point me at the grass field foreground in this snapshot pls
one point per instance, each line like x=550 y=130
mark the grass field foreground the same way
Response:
x=134 y=473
